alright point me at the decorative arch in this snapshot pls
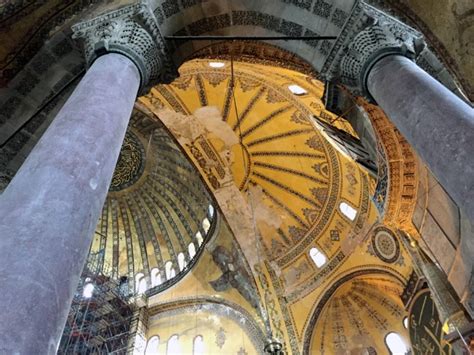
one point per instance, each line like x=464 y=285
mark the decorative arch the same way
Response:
x=325 y=18
x=324 y=299
x=401 y=165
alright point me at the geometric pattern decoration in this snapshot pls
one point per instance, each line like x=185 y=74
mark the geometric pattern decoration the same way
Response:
x=372 y=308
x=130 y=164
x=279 y=150
x=155 y=206
x=385 y=245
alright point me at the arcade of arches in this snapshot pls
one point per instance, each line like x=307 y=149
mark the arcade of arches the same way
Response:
x=236 y=196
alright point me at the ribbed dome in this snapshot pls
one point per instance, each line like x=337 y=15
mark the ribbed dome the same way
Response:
x=359 y=315
x=158 y=211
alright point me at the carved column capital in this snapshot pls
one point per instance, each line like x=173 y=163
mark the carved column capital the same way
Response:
x=368 y=36
x=133 y=32
x=366 y=49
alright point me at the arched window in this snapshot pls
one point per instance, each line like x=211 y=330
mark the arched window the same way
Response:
x=191 y=250
x=152 y=346
x=198 y=345
x=140 y=283
x=181 y=261
x=217 y=65
x=88 y=290
x=173 y=348
x=155 y=277
x=318 y=257
x=395 y=344
x=199 y=238
x=206 y=225
x=210 y=211
x=348 y=210
x=169 y=269
x=297 y=90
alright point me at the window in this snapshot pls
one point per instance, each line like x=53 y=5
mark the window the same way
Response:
x=191 y=250
x=140 y=283
x=297 y=90
x=155 y=277
x=217 y=64
x=405 y=322
x=348 y=210
x=199 y=238
x=173 y=347
x=318 y=257
x=152 y=346
x=181 y=261
x=210 y=211
x=88 y=290
x=198 y=345
x=395 y=344
x=169 y=270
x=206 y=225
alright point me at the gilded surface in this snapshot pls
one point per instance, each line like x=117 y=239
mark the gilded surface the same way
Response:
x=130 y=165
x=291 y=177
x=155 y=206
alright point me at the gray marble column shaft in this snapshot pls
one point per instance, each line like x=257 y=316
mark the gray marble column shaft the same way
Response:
x=438 y=124
x=49 y=211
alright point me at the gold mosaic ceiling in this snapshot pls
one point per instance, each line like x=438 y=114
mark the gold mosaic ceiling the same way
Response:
x=372 y=308
x=155 y=206
x=269 y=143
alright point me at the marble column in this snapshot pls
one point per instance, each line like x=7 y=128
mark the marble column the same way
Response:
x=49 y=211
x=51 y=207
x=438 y=124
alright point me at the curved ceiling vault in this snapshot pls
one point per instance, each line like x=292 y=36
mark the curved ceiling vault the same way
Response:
x=292 y=175
x=373 y=308
x=155 y=207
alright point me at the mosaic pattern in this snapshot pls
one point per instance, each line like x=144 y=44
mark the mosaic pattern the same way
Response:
x=322 y=8
x=42 y=20
x=271 y=159
x=370 y=299
x=155 y=205
x=399 y=196
x=130 y=164
x=385 y=245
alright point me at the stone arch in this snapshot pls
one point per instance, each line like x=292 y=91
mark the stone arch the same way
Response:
x=295 y=18
x=398 y=169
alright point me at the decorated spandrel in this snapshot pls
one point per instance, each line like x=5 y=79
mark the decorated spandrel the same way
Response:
x=425 y=328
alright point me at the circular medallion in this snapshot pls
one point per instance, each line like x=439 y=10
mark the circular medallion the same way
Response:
x=385 y=245
x=130 y=164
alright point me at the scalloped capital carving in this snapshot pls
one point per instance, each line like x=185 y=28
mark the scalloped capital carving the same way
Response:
x=132 y=31
x=369 y=36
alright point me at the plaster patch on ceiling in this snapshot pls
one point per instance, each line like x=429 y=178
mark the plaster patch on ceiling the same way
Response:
x=263 y=210
x=239 y=217
x=211 y=118
x=185 y=128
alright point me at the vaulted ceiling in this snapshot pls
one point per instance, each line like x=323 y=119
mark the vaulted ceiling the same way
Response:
x=372 y=307
x=262 y=135
x=155 y=206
